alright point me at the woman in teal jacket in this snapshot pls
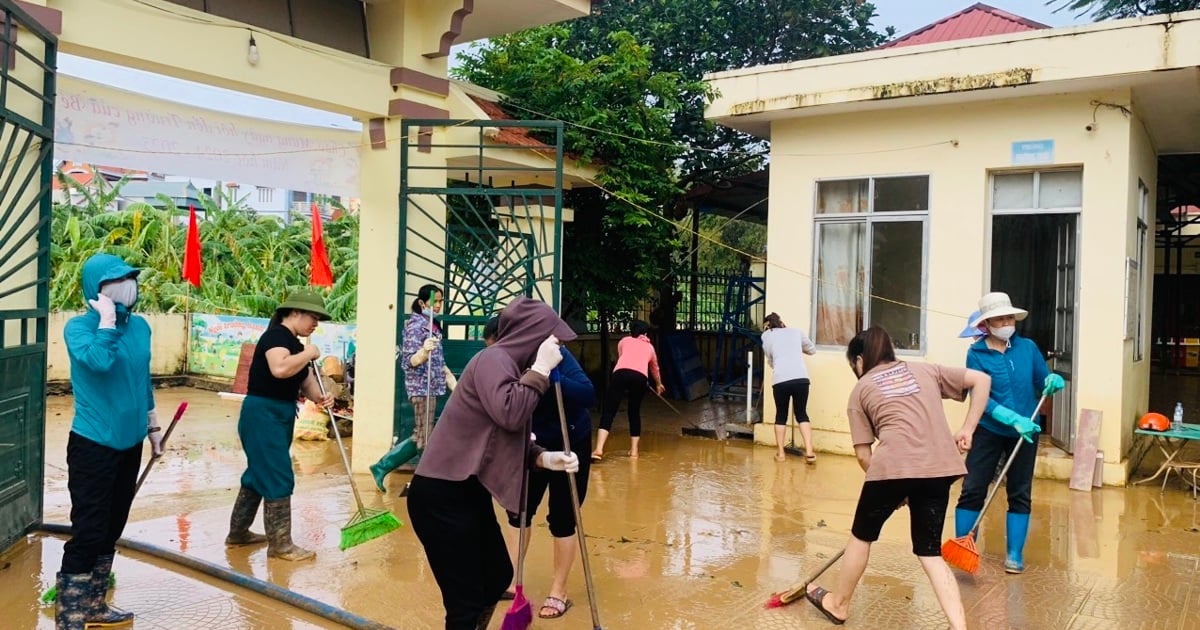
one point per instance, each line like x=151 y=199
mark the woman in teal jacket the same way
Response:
x=1019 y=375
x=109 y=351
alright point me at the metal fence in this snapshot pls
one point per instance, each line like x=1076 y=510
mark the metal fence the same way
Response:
x=711 y=286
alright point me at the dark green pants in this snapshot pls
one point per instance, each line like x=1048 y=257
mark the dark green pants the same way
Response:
x=265 y=427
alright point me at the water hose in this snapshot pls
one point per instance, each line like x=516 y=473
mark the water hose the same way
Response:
x=248 y=582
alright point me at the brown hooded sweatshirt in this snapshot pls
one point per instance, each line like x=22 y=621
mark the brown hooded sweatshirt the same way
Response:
x=484 y=428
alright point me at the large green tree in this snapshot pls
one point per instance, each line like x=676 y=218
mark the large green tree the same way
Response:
x=623 y=110
x=698 y=37
x=1115 y=9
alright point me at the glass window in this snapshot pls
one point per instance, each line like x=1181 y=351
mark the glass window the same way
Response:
x=1060 y=189
x=901 y=194
x=1012 y=191
x=1140 y=256
x=843 y=197
x=870 y=269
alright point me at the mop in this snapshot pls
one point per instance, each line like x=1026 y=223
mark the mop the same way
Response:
x=961 y=552
x=366 y=524
x=783 y=598
x=520 y=613
x=556 y=376
x=52 y=593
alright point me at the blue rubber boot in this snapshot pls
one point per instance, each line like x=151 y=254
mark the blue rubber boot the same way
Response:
x=1018 y=529
x=963 y=521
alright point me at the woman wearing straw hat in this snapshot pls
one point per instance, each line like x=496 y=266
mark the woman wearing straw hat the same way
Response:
x=1019 y=375
x=279 y=372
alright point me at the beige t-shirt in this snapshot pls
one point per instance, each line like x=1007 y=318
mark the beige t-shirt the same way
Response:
x=901 y=406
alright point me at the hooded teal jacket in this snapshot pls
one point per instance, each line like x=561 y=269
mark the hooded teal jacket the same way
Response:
x=110 y=368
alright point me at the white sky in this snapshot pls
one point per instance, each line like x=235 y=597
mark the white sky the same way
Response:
x=905 y=15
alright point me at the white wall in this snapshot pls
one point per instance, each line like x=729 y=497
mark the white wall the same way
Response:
x=168 y=354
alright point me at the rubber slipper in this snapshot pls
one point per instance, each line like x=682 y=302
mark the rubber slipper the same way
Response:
x=559 y=606
x=815 y=597
x=508 y=595
x=596 y=457
x=810 y=459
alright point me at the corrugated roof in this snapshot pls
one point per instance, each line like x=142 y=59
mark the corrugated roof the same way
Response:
x=977 y=20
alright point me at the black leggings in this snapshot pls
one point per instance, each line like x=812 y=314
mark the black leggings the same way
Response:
x=561 y=515
x=623 y=381
x=100 y=480
x=456 y=523
x=927 y=501
x=795 y=391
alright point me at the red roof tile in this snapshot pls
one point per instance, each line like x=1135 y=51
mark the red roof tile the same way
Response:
x=977 y=20
x=515 y=136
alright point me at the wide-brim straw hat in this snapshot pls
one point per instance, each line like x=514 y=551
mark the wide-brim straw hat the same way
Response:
x=306 y=301
x=997 y=305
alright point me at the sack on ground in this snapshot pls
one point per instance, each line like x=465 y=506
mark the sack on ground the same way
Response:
x=311 y=422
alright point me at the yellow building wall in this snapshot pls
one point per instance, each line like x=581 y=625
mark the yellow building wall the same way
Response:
x=958 y=146
x=1143 y=167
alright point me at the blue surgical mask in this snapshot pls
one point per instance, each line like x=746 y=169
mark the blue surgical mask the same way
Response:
x=428 y=312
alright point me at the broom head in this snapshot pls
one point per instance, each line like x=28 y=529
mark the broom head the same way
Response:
x=520 y=614
x=783 y=598
x=961 y=553
x=368 y=525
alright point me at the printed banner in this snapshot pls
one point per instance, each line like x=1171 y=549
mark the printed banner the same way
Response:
x=215 y=341
x=95 y=124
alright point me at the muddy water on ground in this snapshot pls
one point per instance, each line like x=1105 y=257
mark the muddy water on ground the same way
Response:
x=694 y=534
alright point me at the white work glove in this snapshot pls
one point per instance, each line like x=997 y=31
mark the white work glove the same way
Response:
x=107 y=310
x=421 y=356
x=548 y=357
x=155 y=433
x=558 y=460
x=451 y=382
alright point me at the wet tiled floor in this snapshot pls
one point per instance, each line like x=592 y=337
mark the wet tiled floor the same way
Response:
x=695 y=534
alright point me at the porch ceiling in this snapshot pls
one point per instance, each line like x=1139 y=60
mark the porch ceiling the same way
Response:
x=488 y=18
x=1169 y=104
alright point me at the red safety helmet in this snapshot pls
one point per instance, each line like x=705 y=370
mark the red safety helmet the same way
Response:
x=1154 y=422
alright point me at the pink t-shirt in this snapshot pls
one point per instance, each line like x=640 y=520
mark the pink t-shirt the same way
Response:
x=901 y=406
x=637 y=354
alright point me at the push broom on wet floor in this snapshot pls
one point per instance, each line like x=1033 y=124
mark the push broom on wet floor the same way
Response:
x=366 y=524
x=961 y=552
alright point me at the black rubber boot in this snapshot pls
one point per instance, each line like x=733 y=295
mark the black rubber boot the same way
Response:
x=244 y=510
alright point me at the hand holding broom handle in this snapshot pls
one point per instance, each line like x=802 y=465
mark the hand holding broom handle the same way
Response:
x=166 y=436
x=1004 y=471
x=583 y=554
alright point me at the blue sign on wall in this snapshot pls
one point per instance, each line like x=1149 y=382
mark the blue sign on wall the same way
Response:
x=1030 y=152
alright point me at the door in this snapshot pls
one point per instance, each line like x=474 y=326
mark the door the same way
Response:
x=26 y=144
x=1062 y=353
x=1033 y=259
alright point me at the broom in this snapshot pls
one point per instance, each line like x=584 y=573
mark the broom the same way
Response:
x=520 y=613
x=51 y=593
x=783 y=598
x=556 y=376
x=961 y=552
x=366 y=524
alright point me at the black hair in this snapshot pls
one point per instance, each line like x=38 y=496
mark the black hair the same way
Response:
x=424 y=294
x=280 y=315
x=874 y=346
x=637 y=328
x=492 y=328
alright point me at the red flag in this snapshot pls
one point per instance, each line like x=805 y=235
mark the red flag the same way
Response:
x=192 y=266
x=321 y=275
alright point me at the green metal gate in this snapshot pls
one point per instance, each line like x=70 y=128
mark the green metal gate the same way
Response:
x=27 y=61
x=479 y=222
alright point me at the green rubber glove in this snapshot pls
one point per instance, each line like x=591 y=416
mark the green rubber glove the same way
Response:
x=1054 y=384
x=1025 y=426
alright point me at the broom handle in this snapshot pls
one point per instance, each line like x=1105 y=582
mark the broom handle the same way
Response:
x=338 y=435
x=523 y=513
x=1004 y=471
x=155 y=457
x=427 y=426
x=583 y=554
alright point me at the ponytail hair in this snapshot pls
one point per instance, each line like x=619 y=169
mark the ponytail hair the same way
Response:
x=773 y=321
x=280 y=315
x=873 y=346
x=424 y=294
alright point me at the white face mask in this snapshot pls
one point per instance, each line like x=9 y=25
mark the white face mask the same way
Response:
x=1003 y=332
x=124 y=292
